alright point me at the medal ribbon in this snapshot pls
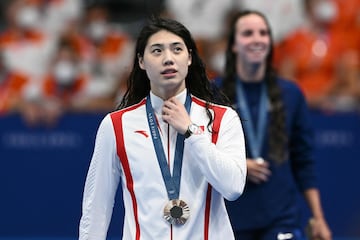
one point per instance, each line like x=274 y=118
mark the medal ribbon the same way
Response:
x=255 y=140
x=172 y=183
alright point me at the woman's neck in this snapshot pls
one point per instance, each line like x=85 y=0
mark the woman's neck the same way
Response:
x=250 y=72
x=166 y=94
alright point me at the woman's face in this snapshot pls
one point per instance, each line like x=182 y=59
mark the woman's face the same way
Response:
x=166 y=60
x=252 y=40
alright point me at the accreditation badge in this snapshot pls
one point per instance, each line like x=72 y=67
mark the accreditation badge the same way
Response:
x=176 y=212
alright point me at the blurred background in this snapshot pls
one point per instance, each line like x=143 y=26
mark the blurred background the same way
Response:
x=63 y=66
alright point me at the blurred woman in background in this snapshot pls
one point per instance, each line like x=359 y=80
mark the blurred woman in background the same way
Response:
x=278 y=138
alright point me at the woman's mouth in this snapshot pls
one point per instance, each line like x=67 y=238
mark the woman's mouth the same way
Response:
x=168 y=73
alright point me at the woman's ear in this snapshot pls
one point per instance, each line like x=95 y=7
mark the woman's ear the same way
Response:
x=234 y=48
x=141 y=61
x=190 y=58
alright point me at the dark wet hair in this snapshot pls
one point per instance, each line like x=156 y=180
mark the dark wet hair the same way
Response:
x=197 y=82
x=277 y=129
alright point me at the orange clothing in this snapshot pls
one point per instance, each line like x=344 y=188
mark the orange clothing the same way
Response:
x=112 y=45
x=11 y=91
x=27 y=52
x=348 y=14
x=347 y=22
x=9 y=37
x=312 y=59
x=52 y=89
x=80 y=44
x=316 y=61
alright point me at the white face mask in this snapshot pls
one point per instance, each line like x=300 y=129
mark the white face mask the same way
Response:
x=65 y=73
x=28 y=17
x=325 y=11
x=97 y=30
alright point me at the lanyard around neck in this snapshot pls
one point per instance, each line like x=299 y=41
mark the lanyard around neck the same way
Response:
x=254 y=138
x=172 y=183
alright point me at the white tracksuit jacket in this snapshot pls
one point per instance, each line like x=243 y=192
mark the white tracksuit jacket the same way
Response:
x=124 y=150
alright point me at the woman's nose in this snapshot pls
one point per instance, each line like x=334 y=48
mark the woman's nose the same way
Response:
x=257 y=37
x=168 y=58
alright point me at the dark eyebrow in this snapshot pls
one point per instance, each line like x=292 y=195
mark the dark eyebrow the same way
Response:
x=160 y=45
x=177 y=43
x=157 y=45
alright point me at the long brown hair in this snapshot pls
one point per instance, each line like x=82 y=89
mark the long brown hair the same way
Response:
x=277 y=130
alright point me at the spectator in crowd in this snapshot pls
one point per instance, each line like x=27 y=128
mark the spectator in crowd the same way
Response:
x=344 y=94
x=192 y=151
x=59 y=90
x=108 y=57
x=64 y=85
x=25 y=46
x=319 y=53
x=11 y=88
x=278 y=134
x=26 y=51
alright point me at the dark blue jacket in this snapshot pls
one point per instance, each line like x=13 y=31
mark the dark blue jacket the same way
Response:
x=262 y=205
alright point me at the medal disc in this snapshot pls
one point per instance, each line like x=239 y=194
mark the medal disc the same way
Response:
x=176 y=212
x=259 y=160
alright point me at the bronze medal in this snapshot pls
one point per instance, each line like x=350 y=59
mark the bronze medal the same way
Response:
x=176 y=212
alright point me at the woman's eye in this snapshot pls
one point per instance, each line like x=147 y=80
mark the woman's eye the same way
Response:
x=247 y=33
x=156 y=51
x=177 y=49
x=264 y=32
